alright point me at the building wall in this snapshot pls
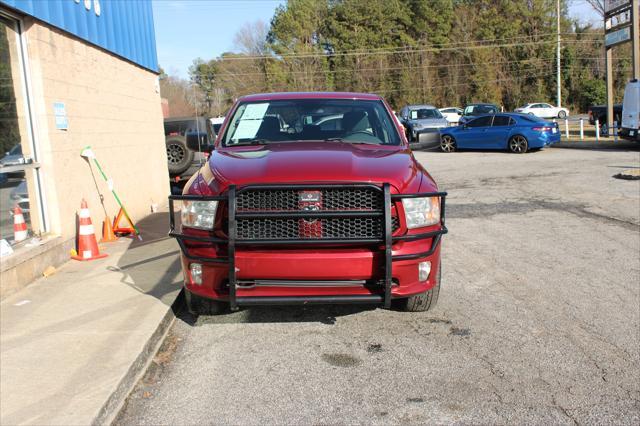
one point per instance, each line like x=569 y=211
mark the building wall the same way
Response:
x=112 y=105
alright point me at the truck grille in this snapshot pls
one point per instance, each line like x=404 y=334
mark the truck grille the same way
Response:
x=268 y=201
x=330 y=199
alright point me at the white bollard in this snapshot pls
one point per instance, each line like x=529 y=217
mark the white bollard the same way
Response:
x=581 y=129
x=566 y=127
x=615 y=131
x=597 y=130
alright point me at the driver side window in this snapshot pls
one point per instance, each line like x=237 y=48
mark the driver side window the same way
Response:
x=484 y=121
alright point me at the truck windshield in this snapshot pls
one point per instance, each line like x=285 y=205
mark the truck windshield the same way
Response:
x=425 y=113
x=343 y=120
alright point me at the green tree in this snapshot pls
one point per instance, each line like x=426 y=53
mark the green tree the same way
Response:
x=203 y=75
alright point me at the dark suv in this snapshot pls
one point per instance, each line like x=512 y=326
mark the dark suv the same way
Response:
x=188 y=141
x=473 y=110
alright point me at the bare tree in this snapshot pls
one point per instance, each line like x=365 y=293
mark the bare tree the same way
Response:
x=598 y=6
x=251 y=38
x=177 y=93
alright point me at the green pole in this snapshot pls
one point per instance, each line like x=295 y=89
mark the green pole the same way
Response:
x=115 y=195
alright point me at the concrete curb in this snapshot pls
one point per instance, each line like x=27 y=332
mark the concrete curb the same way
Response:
x=114 y=404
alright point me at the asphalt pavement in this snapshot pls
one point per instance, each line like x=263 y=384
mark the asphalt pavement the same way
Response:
x=538 y=320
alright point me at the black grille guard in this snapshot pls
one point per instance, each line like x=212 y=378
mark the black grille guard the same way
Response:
x=231 y=241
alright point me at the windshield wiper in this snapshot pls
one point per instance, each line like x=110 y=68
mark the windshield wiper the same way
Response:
x=351 y=142
x=253 y=142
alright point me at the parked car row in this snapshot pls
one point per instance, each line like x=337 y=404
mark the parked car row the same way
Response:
x=481 y=126
x=515 y=132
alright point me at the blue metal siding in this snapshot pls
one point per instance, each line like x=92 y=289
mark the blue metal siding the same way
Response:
x=124 y=28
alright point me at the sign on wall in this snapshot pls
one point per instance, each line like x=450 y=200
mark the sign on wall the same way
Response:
x=60 y=114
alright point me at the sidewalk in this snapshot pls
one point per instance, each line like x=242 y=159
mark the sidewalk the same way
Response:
x=72 y=345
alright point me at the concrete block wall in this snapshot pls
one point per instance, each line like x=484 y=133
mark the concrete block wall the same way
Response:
x=112 y=105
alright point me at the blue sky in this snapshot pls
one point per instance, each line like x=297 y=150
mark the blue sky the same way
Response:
x=187 y=29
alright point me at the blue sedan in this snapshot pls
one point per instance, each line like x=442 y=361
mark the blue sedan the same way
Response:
x=517 y=133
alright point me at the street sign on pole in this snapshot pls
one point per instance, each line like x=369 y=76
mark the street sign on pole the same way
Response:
x=620 y=26
x=613 y=5
x=618 y=36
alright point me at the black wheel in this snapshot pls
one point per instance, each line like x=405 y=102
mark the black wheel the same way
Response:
x=448 y=144
x=562 y=114
x=518 y=144
x=179 y=157
x=423 y=301
x=197 y=305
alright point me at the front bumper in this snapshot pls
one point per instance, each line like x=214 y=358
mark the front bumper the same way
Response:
x=248 y=272
x=426 y=138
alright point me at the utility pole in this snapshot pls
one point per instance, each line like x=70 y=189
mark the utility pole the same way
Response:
x=609 y=85
x=558 y=94
x=635 y=40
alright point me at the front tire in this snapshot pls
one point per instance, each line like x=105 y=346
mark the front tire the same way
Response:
x=448 y=144
x=518 y=144
x=424 y=301
x=197 y=305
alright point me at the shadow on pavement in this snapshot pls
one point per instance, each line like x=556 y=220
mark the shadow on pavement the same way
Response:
x=152 y=266
x=324 y=314
x=603 y=145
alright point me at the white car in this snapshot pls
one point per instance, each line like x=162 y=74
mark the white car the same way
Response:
x=543 y=111
x=452 y=114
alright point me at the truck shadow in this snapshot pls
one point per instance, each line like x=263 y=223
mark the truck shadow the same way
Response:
x=152 y=265
x=324 y=314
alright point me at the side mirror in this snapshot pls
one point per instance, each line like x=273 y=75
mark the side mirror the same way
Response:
x=197 y=145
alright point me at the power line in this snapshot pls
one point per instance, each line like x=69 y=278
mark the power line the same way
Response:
x=390 y=51
x=398 y=68
x=475 y=82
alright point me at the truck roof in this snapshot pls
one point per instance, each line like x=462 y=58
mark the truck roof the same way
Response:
x=310 y=95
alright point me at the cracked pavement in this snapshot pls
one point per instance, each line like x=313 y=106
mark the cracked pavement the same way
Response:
x=538 y=320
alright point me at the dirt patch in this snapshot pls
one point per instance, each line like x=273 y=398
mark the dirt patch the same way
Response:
x=341 y=360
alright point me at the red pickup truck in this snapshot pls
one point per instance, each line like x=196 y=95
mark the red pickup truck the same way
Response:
x=310 y=198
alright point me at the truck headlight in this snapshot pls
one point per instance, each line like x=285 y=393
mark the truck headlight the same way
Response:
x=423 y=211
x=199 y=214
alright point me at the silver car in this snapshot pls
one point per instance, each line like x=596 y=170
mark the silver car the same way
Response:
x=422 y=124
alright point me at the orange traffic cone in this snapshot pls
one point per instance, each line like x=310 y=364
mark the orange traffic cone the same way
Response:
x=108 y=235
x=122 y=230
x=19 y=225
x=87 y=244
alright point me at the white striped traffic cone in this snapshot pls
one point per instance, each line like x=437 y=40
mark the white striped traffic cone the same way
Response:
x=19 y=225
x=87 y=243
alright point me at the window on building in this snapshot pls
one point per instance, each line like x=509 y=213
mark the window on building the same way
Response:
x=19 y=169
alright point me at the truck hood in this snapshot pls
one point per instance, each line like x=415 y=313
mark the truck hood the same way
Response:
x=317 y=162
x=430 y=122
